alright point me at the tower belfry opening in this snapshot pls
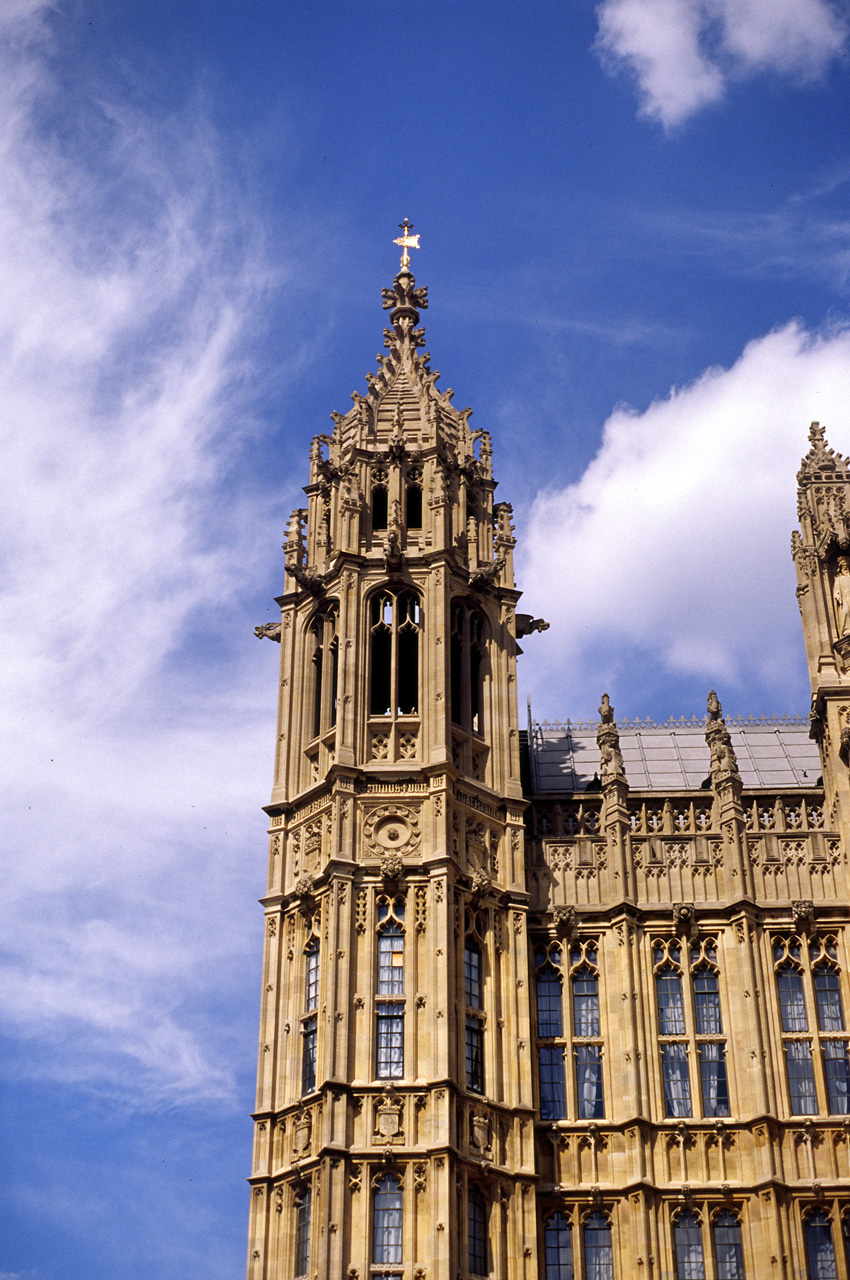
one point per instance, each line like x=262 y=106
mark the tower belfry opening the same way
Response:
x=589 y=1025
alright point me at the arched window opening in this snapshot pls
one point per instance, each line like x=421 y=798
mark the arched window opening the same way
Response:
x=558 y=1248
x=389 y=1004
x=325 y=674
x=792 y=1002
x=311 y=985
x=598 y=1253
x=468 y=654
x=476 y=1229
x=387 y=1223
x=671 y=1008
x=413 y=506
x=302 y=1232
x=395 y=627
x=728 y=1247
x=472 y=973
x=687 y=1243
x=820 y=1250
x=380 y=507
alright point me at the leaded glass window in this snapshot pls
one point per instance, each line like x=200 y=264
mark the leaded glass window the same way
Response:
x=387 y=1222
x=302 y=1233
x=836 y=1069
x=558 y=1248
x=713 y=1083
x=820 y=1250
x=589 y=1082
x=598 y=1253
x=728 y=1247
x=677 y=1080
x=792 y=1001
x=390 y=1041
x=474 y=1054
x=828 y=998
x=391 y=959
x=801 y=1078
x=553 y=1094
x=476 y=1228
x=585 y=1002
x=311 y=985
x=550 y=1011
x=308 y=1054
x=671 y=1009
x=687 y=1243
x=472 y=973
x=707 y=1003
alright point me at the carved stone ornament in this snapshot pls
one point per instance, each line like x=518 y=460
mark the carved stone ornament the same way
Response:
x=268 y=631
x=481 y=882
x=684 y=918
x=391 y=828
x=565 y=920
x=480 y=1132
x=392 y=866
x=388 y=1119
x=526 y=624
x=803 y=915
x=301 y=1134
x=304 y=886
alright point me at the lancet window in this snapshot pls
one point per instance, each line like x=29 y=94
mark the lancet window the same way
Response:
x=413 y=499
x=325 y=671
x=395 y=626
x=468 y=654
x=310 y=1020
x=687 y=1247
x=387 y=1222
x=558 y=1248
x=303 y=1210
x=809 y=991
x=597 y=1248
x=476 y=1232
x=728 y=1246
x=380 y=501
x=821 y=1262
x=581 y=1032
x=389 y=998
x=690 y=1025
x=473 y=954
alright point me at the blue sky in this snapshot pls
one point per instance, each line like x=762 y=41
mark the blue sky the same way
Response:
x=634 y=221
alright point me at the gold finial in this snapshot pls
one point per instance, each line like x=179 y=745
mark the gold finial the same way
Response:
x=407 y=241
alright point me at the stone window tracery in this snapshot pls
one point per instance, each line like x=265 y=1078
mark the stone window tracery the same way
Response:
x=395 y=626
x=808 y=986
x=468 y=660
x=389 y=998
x=325 y=671
x=690 y=1025
x=583 y=1031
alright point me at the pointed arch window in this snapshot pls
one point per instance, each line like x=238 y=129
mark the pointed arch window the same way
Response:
x=310 y=1021
x=380 y=502
x=476 y=1232
x=821 y=1262
x=728 y=1246
x=811 y=1013
x=468 y=659
x=387 y=1222
x=558 y=1248
x=395 y=625
x=389 y=995
x=413 y=499
x=303 y=1208
x=687 y=1245
x=598 y=1252
x=325 y=671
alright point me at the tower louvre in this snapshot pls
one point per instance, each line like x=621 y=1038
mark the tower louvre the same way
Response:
x=586 y=1021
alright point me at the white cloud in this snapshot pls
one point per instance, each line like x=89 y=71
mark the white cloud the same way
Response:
x=131 y=280
x=683 y=53
x=675 y=541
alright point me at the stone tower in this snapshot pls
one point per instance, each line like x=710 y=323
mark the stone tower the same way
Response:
x=394 y=1127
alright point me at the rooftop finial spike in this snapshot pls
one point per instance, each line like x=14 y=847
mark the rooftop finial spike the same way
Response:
x=407 y=241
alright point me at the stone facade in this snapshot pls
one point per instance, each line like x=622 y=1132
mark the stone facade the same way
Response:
x=519 y=1022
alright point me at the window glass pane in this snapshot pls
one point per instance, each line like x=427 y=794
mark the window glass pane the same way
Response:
x=414 y=506
x=728 y=1247
x=801 y=1078
x=311 y=993
x=474 y=1055
x=589 y=1082
x=828 y=995
x=302 y=1235
x=586 y=1003
x=671 y=1010
x=713 y=1082
x=472 y=974
x=308 y=1054
x=391 y=960
x=386 y=1229
x=476 y=1219
x=792 y=1005
x=390 y=1042
x=379 y=507
x=598 y=1254
x=553 y=1097
x=558 y=1248
x=550 y=1016
x=707 y=1003
x=820 y=1251
x=837 y=1071
x=687 y=1241
x=677 y=1081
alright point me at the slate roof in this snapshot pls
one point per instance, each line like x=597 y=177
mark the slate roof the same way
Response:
x=674 y=756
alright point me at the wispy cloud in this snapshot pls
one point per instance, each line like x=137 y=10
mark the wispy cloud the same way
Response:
x=683 y=53
x=133 y=280
x=675 y=542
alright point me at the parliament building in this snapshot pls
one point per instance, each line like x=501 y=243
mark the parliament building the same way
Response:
x=551 y=1002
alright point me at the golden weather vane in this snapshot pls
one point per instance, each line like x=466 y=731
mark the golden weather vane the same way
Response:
x=407 y=241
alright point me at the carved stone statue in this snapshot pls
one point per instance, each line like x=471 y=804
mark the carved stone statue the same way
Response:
x=715 y=711
x=841 y=595
x=606 y=711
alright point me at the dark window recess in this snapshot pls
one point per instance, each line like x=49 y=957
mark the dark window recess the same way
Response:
x=598 y=1254
x=379 y=507
x=550 y=1013
x=728 y=1247
x=687 y=1242
x=472 y=974
x=334 y=680
x=457 y=687
x=591 y=1105
x=476 y=1225
x=820 y=1251
x=414 y=506
x=408 y=660
x=302 y=1234
x=381 y=672
x=558 y=1248
x=317 y=690
x=308 y=1054
x=474 y=1055
x=387 y=1222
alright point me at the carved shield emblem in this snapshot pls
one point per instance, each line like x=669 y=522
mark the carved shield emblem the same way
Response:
x=301 y=1136
x=388 y=1120
x=480 y=1132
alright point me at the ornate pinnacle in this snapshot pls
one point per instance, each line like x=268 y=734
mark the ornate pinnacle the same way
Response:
x=608 y=741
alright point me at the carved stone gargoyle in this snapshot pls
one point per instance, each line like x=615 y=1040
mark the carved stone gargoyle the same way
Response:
x=486 y=574
x=526 y=624
x=312 y=582
x=268 y=631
